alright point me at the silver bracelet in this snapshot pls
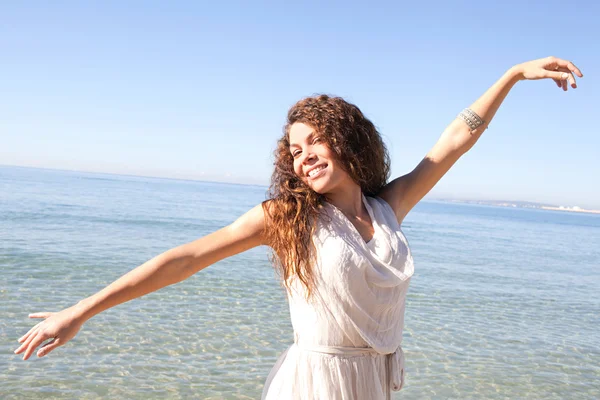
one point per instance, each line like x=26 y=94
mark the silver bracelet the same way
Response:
x=473 y=120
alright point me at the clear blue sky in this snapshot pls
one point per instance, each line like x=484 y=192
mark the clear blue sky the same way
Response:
x=195 y=89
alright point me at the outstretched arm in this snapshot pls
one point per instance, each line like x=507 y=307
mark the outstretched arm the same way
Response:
x=165 y=269
x=405 y=192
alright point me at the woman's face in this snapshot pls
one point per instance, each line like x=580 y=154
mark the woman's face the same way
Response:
x=314 y=162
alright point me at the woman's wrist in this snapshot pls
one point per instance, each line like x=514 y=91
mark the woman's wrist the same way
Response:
x=515 y=73
x=81 y=310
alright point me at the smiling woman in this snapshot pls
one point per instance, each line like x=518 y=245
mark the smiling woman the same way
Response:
x=333 y=221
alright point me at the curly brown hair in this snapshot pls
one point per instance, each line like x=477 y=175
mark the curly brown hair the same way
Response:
x=293 y=206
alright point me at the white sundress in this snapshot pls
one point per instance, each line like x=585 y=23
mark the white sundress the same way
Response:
x=347 y=336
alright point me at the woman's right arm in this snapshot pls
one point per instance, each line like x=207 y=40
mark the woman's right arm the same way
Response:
x=163 y=270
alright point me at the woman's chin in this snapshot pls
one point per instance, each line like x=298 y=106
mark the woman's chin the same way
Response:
x=321 y=184
x=319 y=187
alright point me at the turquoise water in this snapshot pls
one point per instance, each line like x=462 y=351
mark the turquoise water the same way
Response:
x=504 y=302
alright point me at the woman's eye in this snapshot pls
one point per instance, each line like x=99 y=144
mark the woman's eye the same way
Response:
x=316 y=140
x=297 y=152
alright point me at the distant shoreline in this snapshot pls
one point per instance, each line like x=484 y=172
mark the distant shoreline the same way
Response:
x=524 y=204
x=579 y=210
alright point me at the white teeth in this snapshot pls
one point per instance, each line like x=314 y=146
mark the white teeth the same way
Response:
x=314 y=171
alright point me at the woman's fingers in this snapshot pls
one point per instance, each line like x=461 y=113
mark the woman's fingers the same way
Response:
x=48 y=347
x=568 y=66
x=569 y=78
x=25 y=336
x=40 y=315
x=30 y=335
x=557 y=75
x=37 y=340
x=34 y=315
x=563 y=72
x=562 y=78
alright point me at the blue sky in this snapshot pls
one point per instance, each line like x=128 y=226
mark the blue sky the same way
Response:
x=200 y=90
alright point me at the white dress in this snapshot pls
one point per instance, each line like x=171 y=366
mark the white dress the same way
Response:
x=347 y=336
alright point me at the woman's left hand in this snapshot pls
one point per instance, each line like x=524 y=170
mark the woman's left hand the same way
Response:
x=561 y=71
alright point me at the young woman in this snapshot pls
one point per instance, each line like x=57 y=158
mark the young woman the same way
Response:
x=333 y=222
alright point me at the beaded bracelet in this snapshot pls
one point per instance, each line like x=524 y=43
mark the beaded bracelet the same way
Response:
x=473 y=120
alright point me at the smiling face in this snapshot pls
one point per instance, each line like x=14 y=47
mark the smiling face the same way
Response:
x=314 y=162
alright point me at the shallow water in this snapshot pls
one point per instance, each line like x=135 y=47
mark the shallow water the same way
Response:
x=503 y=303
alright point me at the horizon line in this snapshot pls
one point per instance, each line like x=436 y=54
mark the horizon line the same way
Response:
x=134 y=176
x=432 y=197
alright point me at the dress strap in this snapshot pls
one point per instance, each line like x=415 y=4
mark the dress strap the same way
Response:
x=338 y=350
x=396 y=369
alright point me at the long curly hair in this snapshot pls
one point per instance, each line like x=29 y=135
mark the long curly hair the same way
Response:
x=293 y=207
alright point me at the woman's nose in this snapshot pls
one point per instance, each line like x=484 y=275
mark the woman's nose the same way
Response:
x=308 y=157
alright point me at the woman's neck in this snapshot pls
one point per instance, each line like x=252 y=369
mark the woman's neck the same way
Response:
x=349 y=201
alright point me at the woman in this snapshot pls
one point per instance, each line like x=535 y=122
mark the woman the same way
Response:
x=333 y=222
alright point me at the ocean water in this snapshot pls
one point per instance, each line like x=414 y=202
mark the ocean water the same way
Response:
x=504 y=302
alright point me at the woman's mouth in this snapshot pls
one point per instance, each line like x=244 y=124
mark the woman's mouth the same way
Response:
x=316 y=172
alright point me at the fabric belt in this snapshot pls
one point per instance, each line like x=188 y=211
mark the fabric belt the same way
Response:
x=395 y=360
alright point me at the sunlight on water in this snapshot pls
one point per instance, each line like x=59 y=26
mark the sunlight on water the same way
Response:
x=503 y=303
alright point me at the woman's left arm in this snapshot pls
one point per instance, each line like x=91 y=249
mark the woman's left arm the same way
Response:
x=405 y=192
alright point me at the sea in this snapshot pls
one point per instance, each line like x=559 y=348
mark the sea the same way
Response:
x=504 y=303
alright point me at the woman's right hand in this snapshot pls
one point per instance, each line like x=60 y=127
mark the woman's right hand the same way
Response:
x=60 y=326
